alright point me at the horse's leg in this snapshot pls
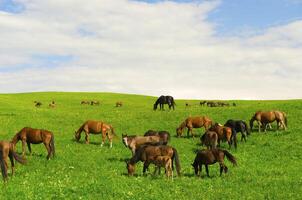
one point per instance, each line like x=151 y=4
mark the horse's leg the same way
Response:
x=200 y=169
x=207 y=170
x=29 y=147
x=87 y=137
x=11 y=157
x=48 y=150
x=103 y=139
x=23 y=148
x=110 y=140
x=146 y=165
x=221 y=167
x=259 y=126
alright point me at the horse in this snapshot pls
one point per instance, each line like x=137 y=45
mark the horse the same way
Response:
x=52 y=104
x=94 y=103
x=202 y=103
x=119 y=104
x=35 y=136
x=238 y=126
x=7 y=151
x=37 y=104
x=164 y=100
x=265 y=118
x=224 y=133
x=148 y=153
x=85 y=102
x=209 y=139
x=163 y=161
x=133 y=142
x=193 y=122
x=164 y=135
x=211 y=156
x=96 y=127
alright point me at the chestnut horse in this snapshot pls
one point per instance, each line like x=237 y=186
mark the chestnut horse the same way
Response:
x=209 y=139
x=224 y=133
x=133 y=142
x=193 y=122
x=96 y=127
x=164 y=135
x=163 y=161
x=7 y=151
x=35 y=136
x=265 y=118
x=209 y=157
x=148 y=154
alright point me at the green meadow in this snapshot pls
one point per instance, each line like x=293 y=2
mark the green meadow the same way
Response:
x=269 y=164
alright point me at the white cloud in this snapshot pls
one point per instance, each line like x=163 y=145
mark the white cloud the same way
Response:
x=135 y=47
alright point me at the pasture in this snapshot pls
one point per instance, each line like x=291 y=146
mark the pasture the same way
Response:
x=269 y=164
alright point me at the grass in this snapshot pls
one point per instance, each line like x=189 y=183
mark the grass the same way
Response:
x=269 y=165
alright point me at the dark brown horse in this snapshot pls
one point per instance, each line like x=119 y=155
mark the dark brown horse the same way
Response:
x=38 y=104
x=211 y=156
x=133 y=142
x=7 y=151
x=35 y=136
x=224 y=134
x=164 y=100
x=94 y=103
x=96 y=127
x=119 y=104
x=148 y=154
x=193 y=122
x=265 y=118
x=209 y=139
x=164 y=135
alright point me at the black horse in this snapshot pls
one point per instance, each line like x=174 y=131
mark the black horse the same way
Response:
x=238 y=126
x=164 y=135
x=164 y=100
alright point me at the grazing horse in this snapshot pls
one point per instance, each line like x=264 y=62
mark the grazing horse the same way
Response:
x=163 y=161
x=193 y=122
x=164 y=135
x=35 y=136
x=52 y=104
x=265 y=118
x=164 y=100
x=209 y=157
x=225 y=134
x=209 y=139
x=202 y=103
x=238 y=126
x=7 y=150
x=38 y=104
x=94 y=103
x=85 y=102
x=148 y=153
x=96 y=127
x=133 y=142
x=119 y=104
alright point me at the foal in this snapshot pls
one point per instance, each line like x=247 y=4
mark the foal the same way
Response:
x=163 y=161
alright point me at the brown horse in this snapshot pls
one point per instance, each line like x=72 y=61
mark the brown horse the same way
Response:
x=265 y=118
x=119 y=104
x=164 y=135
x=209 y=139
x=148 y=154
x=52 y=105
x=163 y=161
x=193 y=122
x=209 y=157
x=96 y=127
x=224 y=133
x=38 y=104
x=133 y=142
x=85 y=102
x=7 y=151
x=94 y=103
x=35 y=136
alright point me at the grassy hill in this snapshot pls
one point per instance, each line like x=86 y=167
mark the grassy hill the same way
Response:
x=269 y=165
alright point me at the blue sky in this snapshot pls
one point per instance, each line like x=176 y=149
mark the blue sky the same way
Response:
x=123 y=46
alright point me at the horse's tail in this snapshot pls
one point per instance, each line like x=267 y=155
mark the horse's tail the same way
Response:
x=230 y=157
x=112 y=131
x=18 y=158
x=52 y=144
x=246 y=128
x=285 y=119
x=175 y=157
x=173 y=102
x=3 y=166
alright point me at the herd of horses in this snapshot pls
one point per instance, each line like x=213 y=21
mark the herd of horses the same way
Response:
x=152 y=147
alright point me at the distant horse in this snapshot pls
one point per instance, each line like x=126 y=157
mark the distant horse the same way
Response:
x=265 y=118
x=163 y=161
x=94 y=103
x=238 y=126
x=193 y=122
x=209 y=157
x=225 y=134
x=7 y=150
x=164 y=100
x=52 y=104
x=96 y=127
x=148 y=154
x=164 y=135
x=35 y=136
x=38 y=104
x=133 y=142
x=119 y=104
x=202 y=103
x=85 y=102
x=209 y=139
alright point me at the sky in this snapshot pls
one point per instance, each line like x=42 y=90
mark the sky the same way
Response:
x=190 y=49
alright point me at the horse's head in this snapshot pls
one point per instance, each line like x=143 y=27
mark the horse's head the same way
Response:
x=77 y=135
x=179 y=131
x=195 y=166
x=251 y=123
x=155 y=106
x=125 y=139
x=130 y=168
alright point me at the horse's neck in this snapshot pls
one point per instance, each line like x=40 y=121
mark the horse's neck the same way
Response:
x=183 y=125
x=15 y=139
